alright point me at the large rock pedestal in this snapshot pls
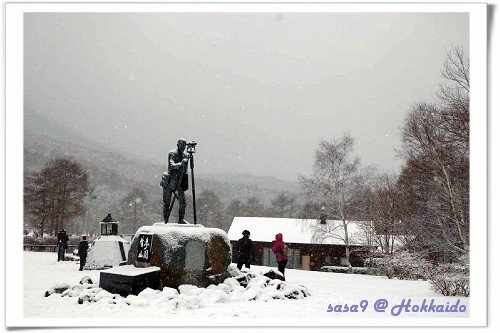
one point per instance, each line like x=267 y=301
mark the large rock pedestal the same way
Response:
x=185 y=253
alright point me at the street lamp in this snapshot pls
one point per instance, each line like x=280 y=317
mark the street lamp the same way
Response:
x=137 y=201
x=206 y=213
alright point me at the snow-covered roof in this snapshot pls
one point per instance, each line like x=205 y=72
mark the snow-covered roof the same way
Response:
x=305 y=231
x=110 y=238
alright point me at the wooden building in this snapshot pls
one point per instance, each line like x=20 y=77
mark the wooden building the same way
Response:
x=313 y=243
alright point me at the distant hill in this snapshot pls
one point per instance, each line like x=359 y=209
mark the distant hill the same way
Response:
x=270 y=183
x=114 y=173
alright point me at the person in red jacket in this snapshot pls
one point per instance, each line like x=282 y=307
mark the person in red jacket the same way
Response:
x=279 y=249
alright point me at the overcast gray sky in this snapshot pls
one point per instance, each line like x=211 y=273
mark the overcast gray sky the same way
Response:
x=257 y=91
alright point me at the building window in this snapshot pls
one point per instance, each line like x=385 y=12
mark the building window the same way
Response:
x=343 y=261
x=328 y=260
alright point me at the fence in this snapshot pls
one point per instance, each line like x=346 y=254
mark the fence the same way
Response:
x=47 y=248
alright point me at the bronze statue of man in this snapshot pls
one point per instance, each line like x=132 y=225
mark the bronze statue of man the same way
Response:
x=175 y=180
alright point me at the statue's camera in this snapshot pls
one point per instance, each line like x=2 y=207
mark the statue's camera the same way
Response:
x=191 y=147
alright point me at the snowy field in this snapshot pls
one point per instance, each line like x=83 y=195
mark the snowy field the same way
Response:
x=42 y=271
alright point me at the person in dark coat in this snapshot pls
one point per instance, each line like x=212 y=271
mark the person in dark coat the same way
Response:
x=62 y=244
x=245 y=250
x=279 y=249
x=82 y=251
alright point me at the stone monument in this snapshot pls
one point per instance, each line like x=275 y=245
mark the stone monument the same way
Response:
x=172 y=254
x=185 y=253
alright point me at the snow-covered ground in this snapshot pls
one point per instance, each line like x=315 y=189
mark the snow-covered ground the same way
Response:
x=42 y=271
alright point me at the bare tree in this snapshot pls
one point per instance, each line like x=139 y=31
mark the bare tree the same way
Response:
x=55 y=195
x=310 y=210
x=434 y=181
x=384 y=211
x=234 y=209
x=211 y=210
x=279 y=204
x=36 y=202
x=336 y=180
x=254 y=207
x=453 y=95
x=292 y=205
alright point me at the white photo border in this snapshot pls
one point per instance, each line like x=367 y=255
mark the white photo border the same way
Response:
x=14 y=23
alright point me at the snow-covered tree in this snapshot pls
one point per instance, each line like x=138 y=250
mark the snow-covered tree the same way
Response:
x=336 y=181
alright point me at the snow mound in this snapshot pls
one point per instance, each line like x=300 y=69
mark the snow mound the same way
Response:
x=247 y=286
x=106 y=252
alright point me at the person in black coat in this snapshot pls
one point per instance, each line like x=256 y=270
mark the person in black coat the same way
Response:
x=245 y=250
x=82 y=251
x=62 y=244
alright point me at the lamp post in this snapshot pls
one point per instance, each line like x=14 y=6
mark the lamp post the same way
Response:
x=137 y=200
x=206 y=214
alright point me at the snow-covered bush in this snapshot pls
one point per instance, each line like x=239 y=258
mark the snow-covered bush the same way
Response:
x=45 y=240
x=452 y=279
x=49 y=240
x=343 y=269
x=404 y=265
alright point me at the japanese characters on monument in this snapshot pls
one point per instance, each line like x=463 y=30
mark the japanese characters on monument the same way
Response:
x=144 y=249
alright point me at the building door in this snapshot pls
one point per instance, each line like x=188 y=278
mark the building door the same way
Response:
x=306 y=262
x=269 y=258
x=295 y=259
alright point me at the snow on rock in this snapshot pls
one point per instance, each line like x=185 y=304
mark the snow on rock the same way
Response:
x=57 y=289
x=148 y=293
x=86 y=280
x=136 y=300
x=231 y=283
x=210 y=296
x=224 y=287
x=233 y=271
x=184 y=302
x=237 y=295
x=258 y=282
x=252 y=294
x=244 y=287
x=187 y=289
x=275 y=274
x=295 y=292
x=103 y=294
x=164 y=296
x=88 y=295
